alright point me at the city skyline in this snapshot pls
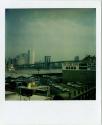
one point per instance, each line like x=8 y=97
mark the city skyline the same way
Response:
x=59 y=33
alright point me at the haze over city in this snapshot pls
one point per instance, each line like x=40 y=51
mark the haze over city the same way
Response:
x=59 y=33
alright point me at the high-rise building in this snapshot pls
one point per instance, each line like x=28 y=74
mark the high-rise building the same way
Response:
x=31 y=56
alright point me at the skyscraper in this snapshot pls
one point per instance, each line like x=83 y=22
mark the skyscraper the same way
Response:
x=31 y=56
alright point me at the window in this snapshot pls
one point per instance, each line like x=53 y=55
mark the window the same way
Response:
x=74 y=67
x=66 y=67
x=71 y=67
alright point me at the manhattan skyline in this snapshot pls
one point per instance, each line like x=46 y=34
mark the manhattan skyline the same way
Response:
x=59 y=33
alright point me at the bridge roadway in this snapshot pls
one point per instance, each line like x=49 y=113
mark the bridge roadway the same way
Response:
x=40 y=72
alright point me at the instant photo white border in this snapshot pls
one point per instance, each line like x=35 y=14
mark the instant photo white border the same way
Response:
x=50 y=112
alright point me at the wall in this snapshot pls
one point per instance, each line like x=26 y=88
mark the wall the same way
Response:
x=79 y=75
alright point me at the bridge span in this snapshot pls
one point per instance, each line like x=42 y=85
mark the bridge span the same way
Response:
x=40 y=72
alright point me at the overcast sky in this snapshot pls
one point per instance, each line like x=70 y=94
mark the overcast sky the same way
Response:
x=59 y=33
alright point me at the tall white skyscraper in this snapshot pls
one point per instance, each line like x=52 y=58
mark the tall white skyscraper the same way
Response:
x=31 y=56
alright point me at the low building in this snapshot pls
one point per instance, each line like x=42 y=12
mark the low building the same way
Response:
x=81 y=72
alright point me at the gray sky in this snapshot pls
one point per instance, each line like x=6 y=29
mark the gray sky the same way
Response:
x=59 y=33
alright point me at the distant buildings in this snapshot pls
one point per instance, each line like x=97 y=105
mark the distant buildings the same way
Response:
x=22 y=59
x=27 y=61
x=76 y=58
x=26 y=58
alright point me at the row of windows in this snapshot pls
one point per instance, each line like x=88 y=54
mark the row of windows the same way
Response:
x=70 y=67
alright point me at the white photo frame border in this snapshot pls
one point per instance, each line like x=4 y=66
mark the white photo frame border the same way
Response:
x=51 y=112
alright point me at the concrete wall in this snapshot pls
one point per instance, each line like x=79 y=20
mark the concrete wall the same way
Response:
x=79 y=75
